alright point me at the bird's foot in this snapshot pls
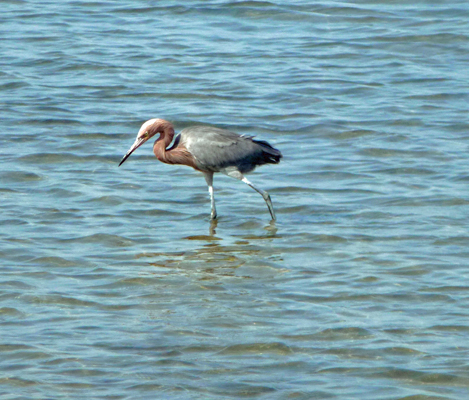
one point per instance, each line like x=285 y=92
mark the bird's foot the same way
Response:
x=268 y=201
x=213 y=225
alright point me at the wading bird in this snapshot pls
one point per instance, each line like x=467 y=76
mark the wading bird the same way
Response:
x=209 y=150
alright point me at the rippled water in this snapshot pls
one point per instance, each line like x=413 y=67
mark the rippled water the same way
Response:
x=115 y=285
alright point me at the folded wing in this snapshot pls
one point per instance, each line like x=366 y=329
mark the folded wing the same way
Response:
x=215 y=149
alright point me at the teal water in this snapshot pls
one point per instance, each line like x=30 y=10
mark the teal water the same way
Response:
x=113 y=282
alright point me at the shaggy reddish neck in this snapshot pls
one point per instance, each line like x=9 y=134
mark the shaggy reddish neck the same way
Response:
x=177 y=154
x=166 y=132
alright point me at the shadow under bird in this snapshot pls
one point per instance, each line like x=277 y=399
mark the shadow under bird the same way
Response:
x=209 y=150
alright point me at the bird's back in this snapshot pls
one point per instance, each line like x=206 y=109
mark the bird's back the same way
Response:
x=215 y=149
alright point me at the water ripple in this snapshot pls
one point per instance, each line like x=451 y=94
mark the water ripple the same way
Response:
x=115 y=282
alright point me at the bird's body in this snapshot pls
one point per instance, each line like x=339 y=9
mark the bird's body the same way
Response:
x=215 y=149
x=209 y=150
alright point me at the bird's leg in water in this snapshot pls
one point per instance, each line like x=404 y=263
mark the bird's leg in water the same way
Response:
x=264 y=194
x=209 y=180
x=234 y=173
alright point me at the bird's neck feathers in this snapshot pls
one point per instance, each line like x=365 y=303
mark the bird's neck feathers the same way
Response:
x=177 y=154
x=166 y=131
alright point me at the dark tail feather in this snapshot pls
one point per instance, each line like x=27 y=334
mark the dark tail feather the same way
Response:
x=270 y=155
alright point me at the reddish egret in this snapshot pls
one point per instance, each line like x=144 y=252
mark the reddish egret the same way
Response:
x=209 y=150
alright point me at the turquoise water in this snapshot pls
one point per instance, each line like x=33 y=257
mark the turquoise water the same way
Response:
x=113 y=282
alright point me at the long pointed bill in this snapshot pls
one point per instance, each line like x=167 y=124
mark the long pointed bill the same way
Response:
x=134 y=147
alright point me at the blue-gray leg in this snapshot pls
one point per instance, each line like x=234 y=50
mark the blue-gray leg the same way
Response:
x=209 y=179
x=234 y=173
x=265 y=195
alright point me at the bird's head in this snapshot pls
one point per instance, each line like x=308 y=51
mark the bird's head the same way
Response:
x=147 y=131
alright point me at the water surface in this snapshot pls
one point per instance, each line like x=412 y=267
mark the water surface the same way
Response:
x=114 y=283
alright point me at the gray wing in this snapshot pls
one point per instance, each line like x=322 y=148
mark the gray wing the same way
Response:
x=215 y=149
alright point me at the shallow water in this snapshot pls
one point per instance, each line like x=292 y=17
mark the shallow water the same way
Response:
x=114 y=283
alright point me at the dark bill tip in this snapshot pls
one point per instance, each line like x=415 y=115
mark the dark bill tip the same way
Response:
x=125 y=158
x=136 y=145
